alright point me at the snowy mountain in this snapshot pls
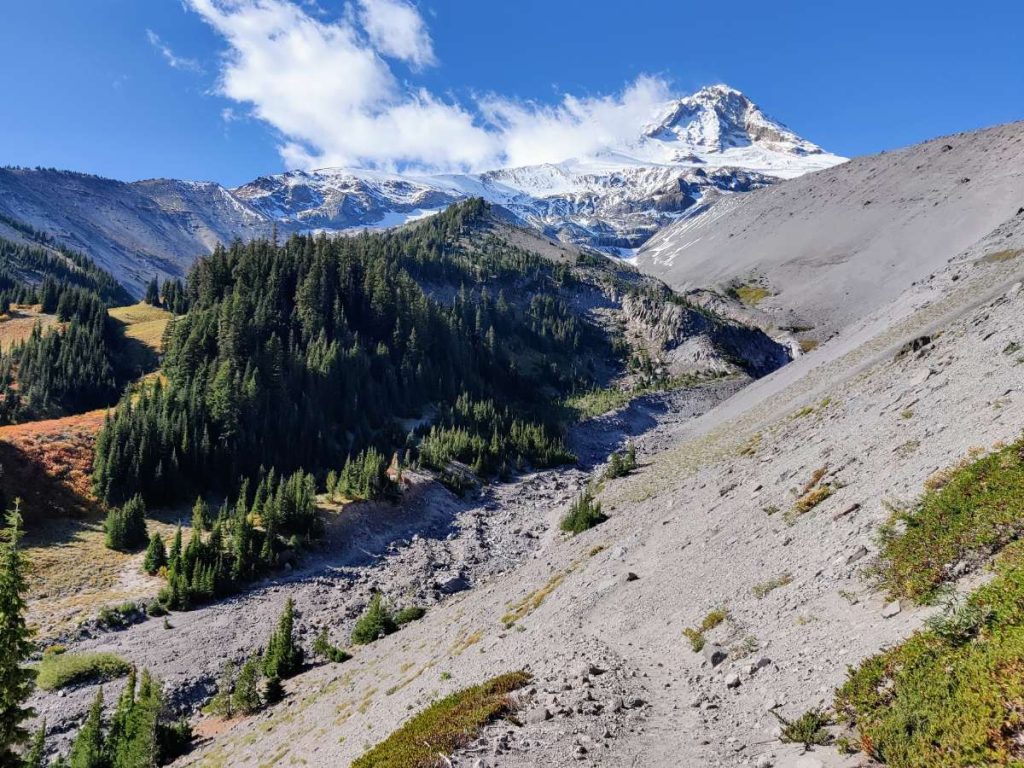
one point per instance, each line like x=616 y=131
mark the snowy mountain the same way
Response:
x=689 y=153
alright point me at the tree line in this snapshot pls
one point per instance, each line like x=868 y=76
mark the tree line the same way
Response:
x=334 y=340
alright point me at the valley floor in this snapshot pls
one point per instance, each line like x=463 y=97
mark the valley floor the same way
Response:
x=430 y=546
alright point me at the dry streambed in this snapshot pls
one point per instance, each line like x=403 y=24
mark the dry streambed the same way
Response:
x=431 y=546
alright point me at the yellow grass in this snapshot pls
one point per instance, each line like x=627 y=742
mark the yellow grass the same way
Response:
x=144 y=323
x=72 y=574
x=18 y=323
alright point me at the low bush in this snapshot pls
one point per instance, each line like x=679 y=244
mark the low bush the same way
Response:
x=809 y=729
x=977 y=509
x=60 y=670
x=445 y=725
x=322 y=647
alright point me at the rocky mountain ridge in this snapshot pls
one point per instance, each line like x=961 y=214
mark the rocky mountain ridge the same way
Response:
x=693 y=150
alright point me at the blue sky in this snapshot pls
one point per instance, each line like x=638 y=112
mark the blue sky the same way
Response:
x=230 y=89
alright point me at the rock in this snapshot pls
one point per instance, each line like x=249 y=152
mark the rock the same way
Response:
x=538 y=715
x=891 y=609
x=762 y=663
x=765 y=761
x=715 y=654
x=631 y=576
x=453 y=584
x=732 y=680
x=857 y=554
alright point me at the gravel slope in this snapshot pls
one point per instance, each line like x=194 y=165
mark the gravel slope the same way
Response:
x=616 y=683
x=840 y=243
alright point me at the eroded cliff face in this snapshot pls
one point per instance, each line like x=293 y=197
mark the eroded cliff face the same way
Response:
x=684 y=339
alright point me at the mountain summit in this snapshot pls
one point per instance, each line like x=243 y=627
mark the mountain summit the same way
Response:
x=686 y=155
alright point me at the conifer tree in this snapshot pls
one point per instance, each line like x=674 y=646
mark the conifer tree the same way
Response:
x=139 y=746
x=223 y=701
x=246 y=697
x=36 y=755
x=153 y=292
x=156 y=554
x=283 y=657
x=126 y=525
x=120 y=722
x=200 y=515
x=87 y=750
x=16 y=681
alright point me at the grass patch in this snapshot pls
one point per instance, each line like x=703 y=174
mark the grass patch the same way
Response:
x=812 y=494
x=59 y=670
x=709 y=622
x=998 y=257
x=445 y=725
x=750 y=294
x=966 y=514
x=523 y=608
x=597 y=402
x=762 y=590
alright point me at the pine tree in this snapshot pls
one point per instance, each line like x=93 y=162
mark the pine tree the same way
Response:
x=16 y=681
x=376 y=621
x=223 y=701
x=200 y=515
x=153 y=292
x=117 y=734
x=87 y=750
x=126 y=525
x=156 y=554
x=246 y=697
x=36 y=755
x=138 y=747
x=283 y=656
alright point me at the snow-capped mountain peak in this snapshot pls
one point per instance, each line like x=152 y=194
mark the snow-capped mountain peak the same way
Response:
x=687 y=154
x=718 y=118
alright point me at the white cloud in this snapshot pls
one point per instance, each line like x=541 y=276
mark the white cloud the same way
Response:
x=178 y=62
x=396 y=29
x=534 y=133
x=324 y=85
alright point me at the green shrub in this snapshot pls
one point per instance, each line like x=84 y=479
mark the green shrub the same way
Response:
x=412 y=613
x=59 y=670
x=126 y=525
x=809 y=729
x=952 y=695
x=376 y=622
x=322 y=647
x=621 y=464
x=445 y=725
x=696 y=638
x=156 y=555
x=977 y=509
x=584 y=513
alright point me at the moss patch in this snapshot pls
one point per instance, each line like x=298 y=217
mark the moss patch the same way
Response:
x=445 y=725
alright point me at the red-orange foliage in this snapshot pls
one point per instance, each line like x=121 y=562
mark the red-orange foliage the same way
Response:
x=48 y=464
